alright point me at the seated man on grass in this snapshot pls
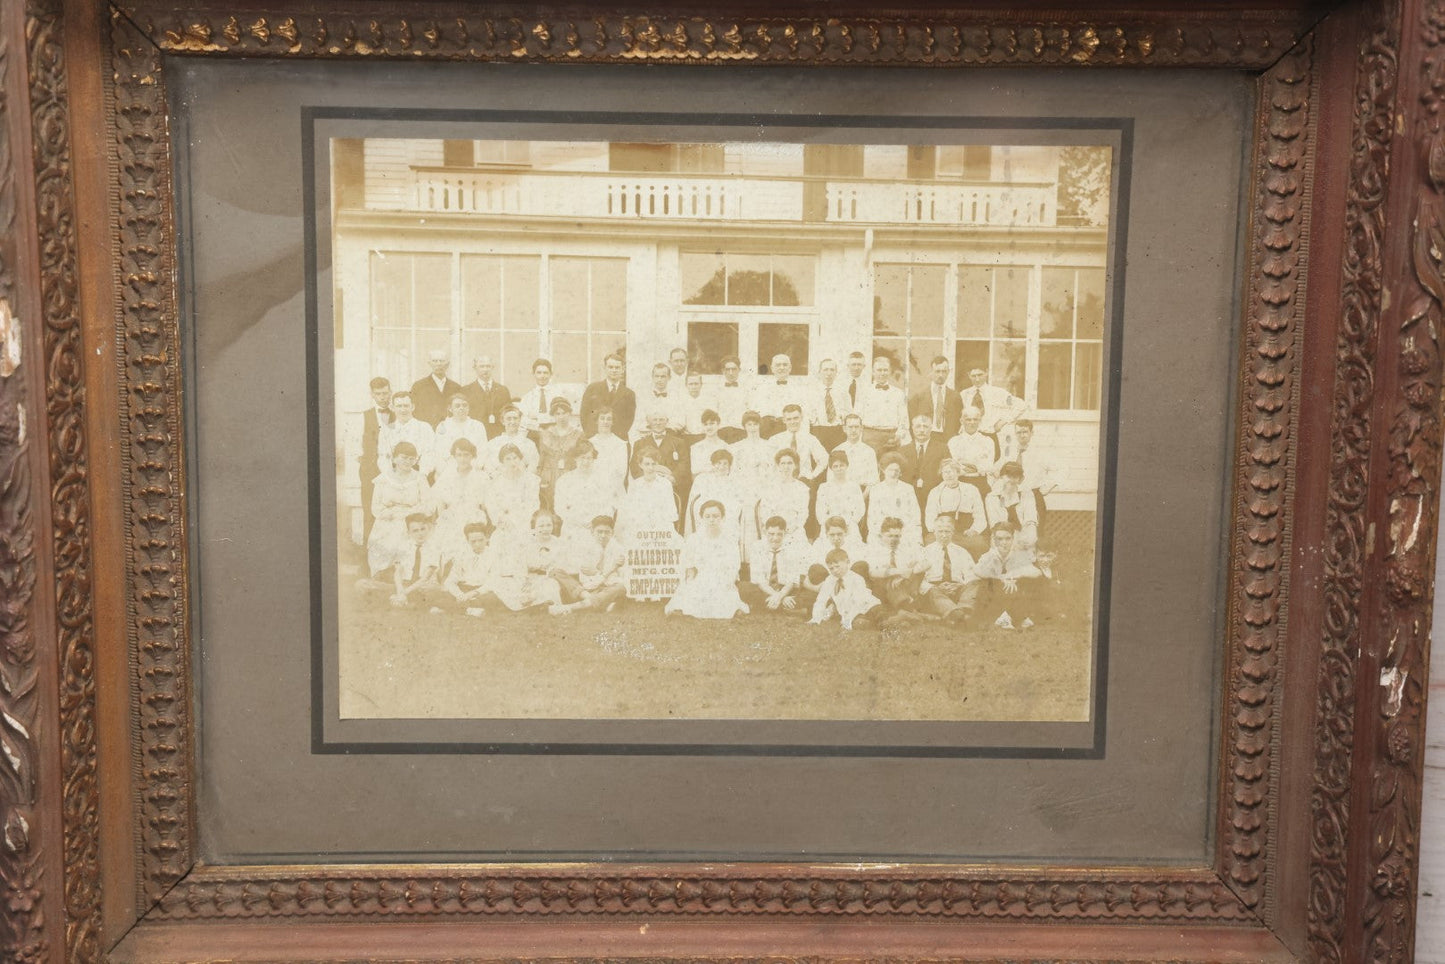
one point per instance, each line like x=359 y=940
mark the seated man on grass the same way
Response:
x=776 y=573
x=895 y=572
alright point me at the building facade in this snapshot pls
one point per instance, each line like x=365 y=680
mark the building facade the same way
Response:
x=990 y=256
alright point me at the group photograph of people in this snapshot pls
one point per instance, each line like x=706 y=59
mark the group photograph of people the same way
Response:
x=834 y=501
x=739 y=429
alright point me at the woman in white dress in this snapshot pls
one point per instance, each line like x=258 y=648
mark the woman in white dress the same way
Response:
x=894 y=497
x=650 y=504
x=460 y=496
x=612 y=452
x=710 y=561
x=752 y=471
x=585 y=493
x=512 y=498
x=838 y=497
x=720 y=485
x=787 y=496
x=396 y=495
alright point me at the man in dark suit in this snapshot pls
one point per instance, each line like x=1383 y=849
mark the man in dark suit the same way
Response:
x=372 y=420
x=922 y=458
x=487 y=397
x=941 y=404
x=610 y=394
x=670 y=452
x=431 y=395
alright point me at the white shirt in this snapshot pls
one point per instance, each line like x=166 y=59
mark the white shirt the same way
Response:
x=959 y=561
x=862 y=462
x=998 y=405
x=1040 y=474
x=692 y=411
x=701 y=454
x=611 y=457
x=448 y=431
x=816 y=410
x=842 y=499
x=884 y=562
x=732 y=402
x=849 y=600
x=1022 y=504
x=491 y=460
x=884 y=408
x=471 y=569
x=770 y=396
x=812 y=457
x=537 y=403
x=649 y=402
x=818 y=551
x=976 y=451
x=893 y=499
x=579 y=499
x=415 y=431
x=962 y=498
x=791 y=565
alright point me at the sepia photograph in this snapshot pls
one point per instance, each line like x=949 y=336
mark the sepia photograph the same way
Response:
x=736 y=430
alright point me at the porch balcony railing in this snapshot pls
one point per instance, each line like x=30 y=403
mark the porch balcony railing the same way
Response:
x=686 y=197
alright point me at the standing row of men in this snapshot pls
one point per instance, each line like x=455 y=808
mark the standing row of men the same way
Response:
x=869 y=391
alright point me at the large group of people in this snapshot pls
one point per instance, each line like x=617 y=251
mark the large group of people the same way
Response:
x=828 y=497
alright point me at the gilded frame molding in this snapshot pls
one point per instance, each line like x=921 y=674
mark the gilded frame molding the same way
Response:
x=1333 y=171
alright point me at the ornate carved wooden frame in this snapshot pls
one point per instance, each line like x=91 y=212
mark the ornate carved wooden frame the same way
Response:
x=1335 y=507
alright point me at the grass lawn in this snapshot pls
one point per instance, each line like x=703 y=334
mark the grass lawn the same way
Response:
x=635 y=663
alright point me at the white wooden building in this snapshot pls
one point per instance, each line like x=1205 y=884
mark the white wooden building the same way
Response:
x=568 y=251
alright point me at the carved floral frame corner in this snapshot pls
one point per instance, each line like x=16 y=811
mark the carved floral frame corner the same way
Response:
x=1385 y=431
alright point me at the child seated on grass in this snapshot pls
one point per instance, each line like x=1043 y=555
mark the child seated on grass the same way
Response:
x=845 y=594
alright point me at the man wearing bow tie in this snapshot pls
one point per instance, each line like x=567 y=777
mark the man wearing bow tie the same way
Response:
x=487 y=397
x=658 y=400
x=612 y=394
x=777 y=391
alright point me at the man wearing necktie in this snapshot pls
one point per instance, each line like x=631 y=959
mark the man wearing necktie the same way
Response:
x=947 y=584
x=612 y=394
x=998 y=407
x=895 y=570
x=536 y=405
x=776 y=573
x=922 y=458
x=487 y=397
x=938 y=401
x=829 y=405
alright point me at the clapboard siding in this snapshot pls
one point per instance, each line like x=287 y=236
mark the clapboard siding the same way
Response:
x=388 y=170
x=1074 y=449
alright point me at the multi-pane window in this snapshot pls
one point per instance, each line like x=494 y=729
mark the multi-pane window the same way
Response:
x=486 y=304
x=775 y=292
x=411 y=310
x=1071 y=338
x=501 y=313
x=908 y=318
x=589 y=314
x=993 y=322
x=759 y=280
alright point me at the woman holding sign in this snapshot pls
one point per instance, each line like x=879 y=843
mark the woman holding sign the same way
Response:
x=710 y=564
